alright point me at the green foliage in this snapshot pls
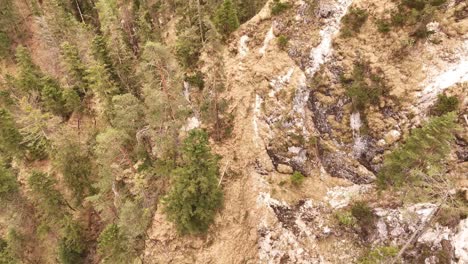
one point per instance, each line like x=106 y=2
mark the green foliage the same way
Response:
x=51 y=95
x=113 y=247
x=195 y=195
x=102 y=83
x=14 y=250
x=34 y=127
x=8 y=184
x=11 y=28
x=74 y=162
x=365 y=218
x=47 y=198
x=297 y=178
x=7 y=249
x=196 y=80
x=187 y=48
x=379 y=255
x=417 y=14
x=72 y=246
x=444 y=105
x=127 y=113
x=424 y=149
x=165 y=105
x=29 y=75
x=102 y=55
x=112 y=49
x=134 y=219
x=365 y=87
x=363 y=214
x=246 y=9
x=345 y=219
x=353 y=21
x=75 y=67
x=6 y=257
x=282 y=42
x=10 y=137
x=383 y=26
x=277 y=7
x=225 y=19
x=5 y=44
x=72 y=101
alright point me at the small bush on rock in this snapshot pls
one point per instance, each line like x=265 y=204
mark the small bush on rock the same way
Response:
x=297 y=178
x=353 y=21
x=444 y=105
x=282 y=42
x=278 y=7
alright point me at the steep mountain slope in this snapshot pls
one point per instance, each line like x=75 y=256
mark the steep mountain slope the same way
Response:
x=341 y=128
x=280 y=95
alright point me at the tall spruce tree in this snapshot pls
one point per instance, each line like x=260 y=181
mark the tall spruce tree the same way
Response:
x=10 y=137
x=75 y=66
x=424 y=149
x=195 y=195
x=29 y=76
x=50 y=202
x=226 y=18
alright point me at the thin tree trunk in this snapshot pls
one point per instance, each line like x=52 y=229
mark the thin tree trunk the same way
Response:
x=200 y=24
x=419 y=231
x=79 y=11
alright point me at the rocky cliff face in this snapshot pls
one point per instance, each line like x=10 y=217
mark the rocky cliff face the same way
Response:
x=292 y=113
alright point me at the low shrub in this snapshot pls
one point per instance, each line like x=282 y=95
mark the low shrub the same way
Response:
x=422 y=152
x=444 y=105
x=383 y=26
x=363 y=213
x=196 y=79
x=378 y=255
x=364 y=87
x=297 y=178
x=353 y=21
x=345 y=219
x=278 y=7
x=282 y=42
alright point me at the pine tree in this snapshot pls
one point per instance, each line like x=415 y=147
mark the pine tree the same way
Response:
x=71 y=247
x=164 y=102
x=102 y=83
x=188 y=47
x=75 y=67
x=424 y=150
x=127 y=113
x=102 y=55
x=52 y=98
x=71 y=101
x=11 y=27
x=112 y=158
x=50 y=202
x=35 y=126
x=10 y=137
x=113 y=246
x=74 y=162
x=116 y=46
x=226 y=18
x=195 y=195
x=8 y=184
x=29 y=76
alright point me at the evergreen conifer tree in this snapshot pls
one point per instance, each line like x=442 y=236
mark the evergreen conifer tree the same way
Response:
x=425 y=148
x=29 y=76
x=195 y=195
x=10 y=137
x=226 y=18
x=49 y=200
x=75 y=66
